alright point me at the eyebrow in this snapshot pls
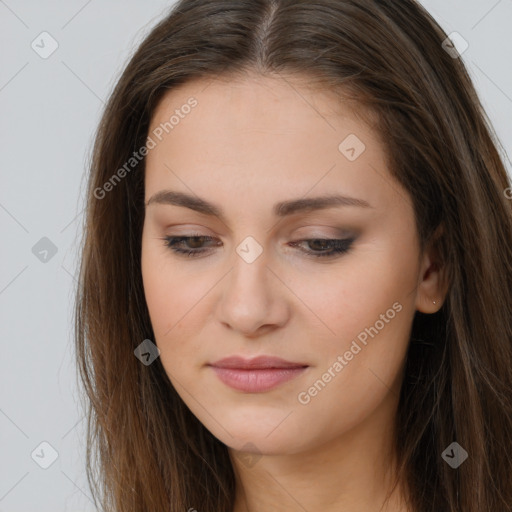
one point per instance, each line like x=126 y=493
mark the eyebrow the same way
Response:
x=281 y=209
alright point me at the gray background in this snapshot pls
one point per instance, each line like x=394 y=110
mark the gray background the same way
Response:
x=50 y=108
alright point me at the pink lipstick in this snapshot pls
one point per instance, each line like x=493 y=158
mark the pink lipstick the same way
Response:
x=256 y=375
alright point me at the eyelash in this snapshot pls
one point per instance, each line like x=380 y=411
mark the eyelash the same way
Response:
x=341 y=246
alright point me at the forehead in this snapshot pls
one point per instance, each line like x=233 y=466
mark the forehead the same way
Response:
x=252 y=93
x=246 y=107
x=266 y=137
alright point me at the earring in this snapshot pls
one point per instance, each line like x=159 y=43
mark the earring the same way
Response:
x=434 y=301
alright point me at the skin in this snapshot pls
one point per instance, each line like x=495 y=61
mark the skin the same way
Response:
x=249 y=143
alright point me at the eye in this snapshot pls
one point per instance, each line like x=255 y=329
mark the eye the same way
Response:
x=175 y=243
x=322 y=247
x=335 y=246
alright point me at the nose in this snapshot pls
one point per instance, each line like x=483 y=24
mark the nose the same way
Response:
x=254 y=299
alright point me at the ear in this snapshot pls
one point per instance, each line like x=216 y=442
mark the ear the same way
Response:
x=432 y=284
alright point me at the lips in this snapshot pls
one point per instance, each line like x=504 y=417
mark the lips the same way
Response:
x=257 y=363
x=256 y=375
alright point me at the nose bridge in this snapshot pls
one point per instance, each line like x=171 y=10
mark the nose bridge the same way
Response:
x=251 y=295
x=249 y=280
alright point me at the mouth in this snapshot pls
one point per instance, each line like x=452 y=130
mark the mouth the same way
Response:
x=256 y=375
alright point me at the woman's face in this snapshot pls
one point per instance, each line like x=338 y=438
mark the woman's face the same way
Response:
x=249 y=164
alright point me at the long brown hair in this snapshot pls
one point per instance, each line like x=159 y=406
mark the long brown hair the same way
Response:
x=145 y=450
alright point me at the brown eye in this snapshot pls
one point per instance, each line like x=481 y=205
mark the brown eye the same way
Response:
x=194 y=243
x=326 y=247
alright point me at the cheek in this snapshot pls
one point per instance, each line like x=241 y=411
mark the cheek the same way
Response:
x=352 y=296
x=167 y=290
x=357 y=371
x=172 y=301
x=366 y=311
x=177 y=301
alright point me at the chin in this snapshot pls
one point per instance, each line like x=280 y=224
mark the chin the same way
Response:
x=264 y=434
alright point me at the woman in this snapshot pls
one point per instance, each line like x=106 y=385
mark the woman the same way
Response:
x=296 y=277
